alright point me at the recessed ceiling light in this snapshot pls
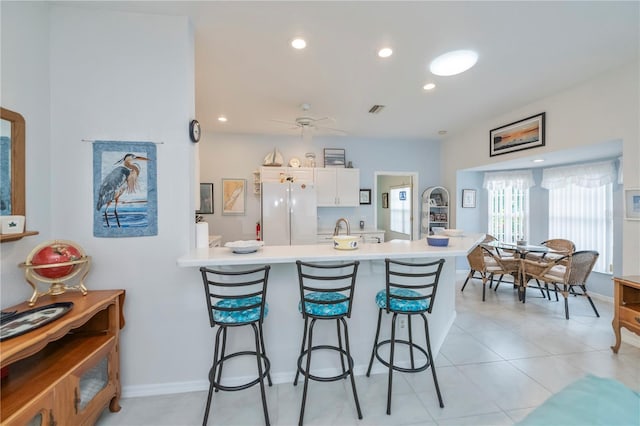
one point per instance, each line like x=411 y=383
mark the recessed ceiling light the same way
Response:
x=222 y=119
x=454 y=62
x=385 y=52
x=429 y=86
x=298 y=43
x=538 y=160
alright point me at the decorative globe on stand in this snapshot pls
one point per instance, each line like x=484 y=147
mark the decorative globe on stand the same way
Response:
x=61 y=264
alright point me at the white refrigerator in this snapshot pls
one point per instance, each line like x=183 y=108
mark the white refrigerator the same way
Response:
x=289 y=213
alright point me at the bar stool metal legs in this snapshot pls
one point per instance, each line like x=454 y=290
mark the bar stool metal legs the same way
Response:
x=410 y=290
x=325 y=302
x=240 y=304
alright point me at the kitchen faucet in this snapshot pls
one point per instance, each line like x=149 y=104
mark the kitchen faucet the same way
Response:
x=336 y=230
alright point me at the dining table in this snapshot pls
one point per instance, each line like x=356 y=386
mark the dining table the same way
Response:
x=521 y=250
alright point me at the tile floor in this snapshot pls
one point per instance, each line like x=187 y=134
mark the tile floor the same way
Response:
x=500 y=360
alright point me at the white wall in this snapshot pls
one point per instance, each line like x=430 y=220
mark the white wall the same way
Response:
x=121 y=77
x=25 y=89
x=601 y=110
x=117 y=76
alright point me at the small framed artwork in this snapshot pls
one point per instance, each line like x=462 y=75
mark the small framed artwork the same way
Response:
x=206 y=199
x=468 y=198
x=517 y=136
x=632 y=204
x=334 y=157
x=365 y=196
x=234 y=193
x=402 y=195
x=385 y=200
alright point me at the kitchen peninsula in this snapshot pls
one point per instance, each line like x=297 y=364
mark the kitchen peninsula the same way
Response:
x=283 y=325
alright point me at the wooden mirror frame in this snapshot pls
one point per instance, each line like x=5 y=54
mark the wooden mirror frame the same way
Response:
x=17 y=169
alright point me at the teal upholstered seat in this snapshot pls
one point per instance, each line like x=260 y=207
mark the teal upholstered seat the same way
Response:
x=588 y=401
x=325 y=310
x=238 y=317
x=402 y=305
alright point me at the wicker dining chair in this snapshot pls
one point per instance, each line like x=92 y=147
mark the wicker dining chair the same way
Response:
x=478 y=269
x=478 y=262
x=562 y=248
x=581 y=265
x=558 y=244
x=499 y=265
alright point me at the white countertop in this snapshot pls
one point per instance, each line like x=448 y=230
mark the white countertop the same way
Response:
x=395 y=249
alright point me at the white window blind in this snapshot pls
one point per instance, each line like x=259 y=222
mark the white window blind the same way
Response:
x=581 y=207
x=400 y=209
x=509 y=203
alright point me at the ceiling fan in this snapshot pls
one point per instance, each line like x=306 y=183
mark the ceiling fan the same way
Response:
x=308 y=124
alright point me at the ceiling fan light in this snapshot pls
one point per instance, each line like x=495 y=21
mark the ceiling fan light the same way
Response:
x=452 y=63
x=298 y=43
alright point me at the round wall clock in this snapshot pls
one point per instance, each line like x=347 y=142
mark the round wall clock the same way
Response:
x=194 y=130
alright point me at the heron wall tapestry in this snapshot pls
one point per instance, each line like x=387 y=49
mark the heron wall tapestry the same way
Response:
x=125 y=189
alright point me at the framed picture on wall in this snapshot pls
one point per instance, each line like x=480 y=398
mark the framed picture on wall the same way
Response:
x=206 y=199
x=385 y=200
x=524 y=134
x=632 y=204
x=334 y=157
x=365 y=196
x=234 y=193
x=469 y=198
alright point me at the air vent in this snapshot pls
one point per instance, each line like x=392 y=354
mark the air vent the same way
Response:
x=376 y=109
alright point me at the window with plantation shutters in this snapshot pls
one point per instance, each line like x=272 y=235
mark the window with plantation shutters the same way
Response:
x=508 y=200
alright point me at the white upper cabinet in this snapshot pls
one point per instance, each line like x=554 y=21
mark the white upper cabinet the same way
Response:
x=338 y=187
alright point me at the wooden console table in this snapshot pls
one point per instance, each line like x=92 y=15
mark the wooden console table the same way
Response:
x=626 y=306
x=68 y=371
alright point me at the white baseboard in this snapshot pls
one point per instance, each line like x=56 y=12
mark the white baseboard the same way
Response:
x=164 y=388
x=287 y=377
x=203 y=385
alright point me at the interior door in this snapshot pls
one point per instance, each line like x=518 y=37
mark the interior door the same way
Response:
x=384 y=181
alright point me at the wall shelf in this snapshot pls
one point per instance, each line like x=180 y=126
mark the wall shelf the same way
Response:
x=15 y=237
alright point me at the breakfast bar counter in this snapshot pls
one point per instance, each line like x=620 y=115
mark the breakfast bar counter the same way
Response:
x=394 y=249
x=283 y=325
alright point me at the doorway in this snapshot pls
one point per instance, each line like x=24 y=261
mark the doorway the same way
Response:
x=396 y=217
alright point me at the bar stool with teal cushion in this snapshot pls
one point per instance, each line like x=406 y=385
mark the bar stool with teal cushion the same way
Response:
x=410 y=290
x=237 y=299
x=326 y=293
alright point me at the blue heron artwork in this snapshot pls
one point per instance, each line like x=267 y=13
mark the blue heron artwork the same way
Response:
x=124 y=189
